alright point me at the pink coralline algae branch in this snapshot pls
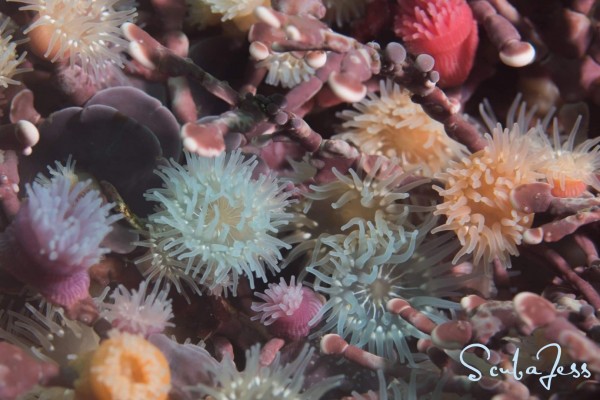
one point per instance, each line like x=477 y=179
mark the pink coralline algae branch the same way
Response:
x=322 y=199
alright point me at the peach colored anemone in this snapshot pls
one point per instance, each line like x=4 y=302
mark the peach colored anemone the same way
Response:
x=125 y=367
x=476 y=196
x=391 y=124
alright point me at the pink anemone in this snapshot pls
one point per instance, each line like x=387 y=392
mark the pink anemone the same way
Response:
x=444 y=29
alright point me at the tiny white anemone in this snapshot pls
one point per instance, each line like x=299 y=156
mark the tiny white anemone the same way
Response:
x=286 y=70
x=391 y=124
x=219 y=220
x=278 y=300
x=303 y=170
x=10 y=61
x=234 y=8
x=275 y=381
x=341 y=12
x=360 y=276
x=477 y=188
x=571 y=168
x=138 y=312
x=82 y=32
x=67 y=171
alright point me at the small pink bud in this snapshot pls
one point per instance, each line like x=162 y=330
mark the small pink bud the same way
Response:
x=287 y=310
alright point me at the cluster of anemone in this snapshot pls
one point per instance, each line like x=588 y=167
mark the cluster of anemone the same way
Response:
x=217 y=221
x=476 y=190
x=126 y=366
x=256 y=381
x=10 y=60
x=78 y=32
x=392 y=125
x=373 y=235
x=360 y=277
x=476 y=187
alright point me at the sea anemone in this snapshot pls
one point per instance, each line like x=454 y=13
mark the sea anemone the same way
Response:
x=159 y=266
x=354 y=199
x=42 y=329
x=125 y=367
x=61 y=226
x=10 y=61
x=476 y=194
x=63 y=171
x=138 y=313
x=256 y=381
x=56 y=236
x=286 y=69
x=219 y=220
x=83 y=32
x=392 y=125
x=360 y=276
x=358 y=200
x=568 y=168
x=444 y=29
x=286 y=310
